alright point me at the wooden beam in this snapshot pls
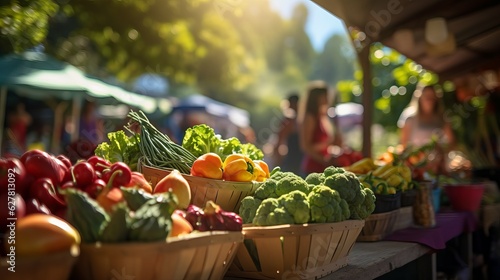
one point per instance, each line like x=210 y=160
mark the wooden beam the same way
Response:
x=367 y=100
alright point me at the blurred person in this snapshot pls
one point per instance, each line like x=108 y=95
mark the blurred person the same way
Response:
x=91 y=126
x=91 y=134
x=18 y=122
x=318 y=136
x=39 y=136
x=287 y=152
x=425 y=119
x=426 y=123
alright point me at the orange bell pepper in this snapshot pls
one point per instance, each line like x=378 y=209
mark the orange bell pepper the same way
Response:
x=208 y=165
x=261 y=170
x=238 y=167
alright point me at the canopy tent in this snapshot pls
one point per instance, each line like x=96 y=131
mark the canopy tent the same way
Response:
x=39 y=76
x=469 y=36
x=235 y=115
x=225 y=119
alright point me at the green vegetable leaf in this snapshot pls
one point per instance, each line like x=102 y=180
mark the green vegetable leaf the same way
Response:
x=120 y=148
x=200 y=139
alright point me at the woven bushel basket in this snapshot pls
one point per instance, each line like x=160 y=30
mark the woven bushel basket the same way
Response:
x=201 y=256
x=305 y=251
x=227 y=194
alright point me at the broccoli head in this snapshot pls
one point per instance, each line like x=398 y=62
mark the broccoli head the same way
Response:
x=315 y=178
x=291 y=183
x=270 y=212
x=347 y=185
x=248 y=208
x=363 y=210
x=345 y=209
x=330 y=170
x=327 y=206
x=282 y=174
x=296 y=204
x=267 y=190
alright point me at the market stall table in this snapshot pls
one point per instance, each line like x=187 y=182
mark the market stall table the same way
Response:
x=369 y=260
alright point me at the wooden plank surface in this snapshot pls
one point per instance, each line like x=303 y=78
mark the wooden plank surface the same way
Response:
x=369 y=260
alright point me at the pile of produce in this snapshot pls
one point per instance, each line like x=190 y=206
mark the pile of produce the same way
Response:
x=203 y=153
x=386 y=179
x=334 y=195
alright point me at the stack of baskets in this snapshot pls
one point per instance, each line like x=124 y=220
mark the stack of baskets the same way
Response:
x=381 y=222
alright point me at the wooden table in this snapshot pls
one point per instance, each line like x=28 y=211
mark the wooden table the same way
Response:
x=369 y=260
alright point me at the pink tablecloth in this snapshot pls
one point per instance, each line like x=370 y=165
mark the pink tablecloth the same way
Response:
x=448 y=226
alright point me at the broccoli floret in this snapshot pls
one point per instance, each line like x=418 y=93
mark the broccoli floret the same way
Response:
x=266 y=190
x=270 y=212
x=345 y=209
x=296 y=204
x=248 y=208
x=327 y=206
x=315 y=178
x=347 y=185
x=282 y=174
x=363 y=210
x=330 y=170
x=291 y=183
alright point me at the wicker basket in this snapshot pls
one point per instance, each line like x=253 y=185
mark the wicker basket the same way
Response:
x=205 y=255
x=294 y=251
x=404 y=219
x=378 y=226
x=55 y=266
x=226 y=194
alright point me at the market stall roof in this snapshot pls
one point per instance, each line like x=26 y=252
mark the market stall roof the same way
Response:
x=401 y=26
x=237 y=116
x=38 y=76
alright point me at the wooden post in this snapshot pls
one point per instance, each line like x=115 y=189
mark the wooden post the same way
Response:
x=76 y=115
x=367 y=100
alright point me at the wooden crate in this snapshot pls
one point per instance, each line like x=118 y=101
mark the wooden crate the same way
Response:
x=201 y=256
x=378 y=226
x=55 y=266
x=404 y=218
x=226 y=194
x=305 y=251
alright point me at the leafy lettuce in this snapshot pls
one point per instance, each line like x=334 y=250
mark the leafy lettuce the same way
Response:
x=201 y=139
x=120 y=148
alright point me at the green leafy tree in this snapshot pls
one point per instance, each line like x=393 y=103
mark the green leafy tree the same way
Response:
x=394 y=79
x=24 y=24
x=336 y=62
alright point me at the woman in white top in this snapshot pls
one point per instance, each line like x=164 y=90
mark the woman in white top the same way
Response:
x=426 y=121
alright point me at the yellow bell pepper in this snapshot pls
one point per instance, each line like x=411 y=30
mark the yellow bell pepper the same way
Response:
x=208 y=165
x=261 y=170
x=238 y=167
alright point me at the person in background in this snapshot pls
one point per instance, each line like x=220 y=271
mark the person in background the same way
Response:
x=287 y=152
x=17 y=129
x=427 y=120
x=425 y=124
x=91 y=127
x=91 y=134
x=318 y=136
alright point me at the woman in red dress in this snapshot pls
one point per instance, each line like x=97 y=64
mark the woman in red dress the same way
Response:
x=317 y=133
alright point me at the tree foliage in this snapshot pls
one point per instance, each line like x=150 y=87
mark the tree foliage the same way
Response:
x=24 y=24
x=394 y=79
